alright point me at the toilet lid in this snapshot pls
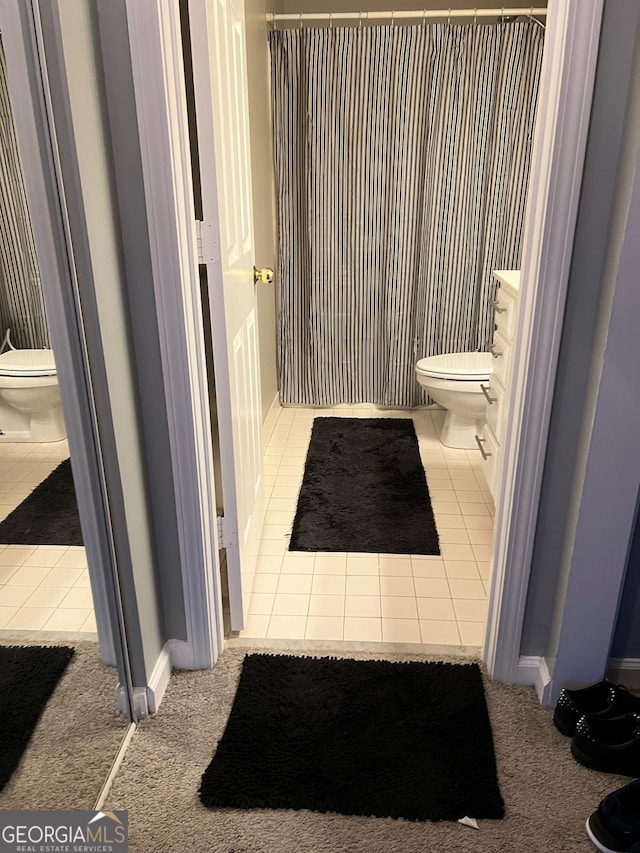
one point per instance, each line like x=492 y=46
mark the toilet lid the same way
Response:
x=27 y=362
x=457 y=365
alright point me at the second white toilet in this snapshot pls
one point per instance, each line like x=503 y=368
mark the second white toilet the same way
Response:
x=456 y=381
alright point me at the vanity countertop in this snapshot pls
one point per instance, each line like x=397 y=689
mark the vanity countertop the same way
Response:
x=509 y=280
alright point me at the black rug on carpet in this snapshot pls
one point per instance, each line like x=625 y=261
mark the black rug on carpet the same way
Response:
x=28 y=677
x=403 y=740
x=48 y=516
x=364 y=489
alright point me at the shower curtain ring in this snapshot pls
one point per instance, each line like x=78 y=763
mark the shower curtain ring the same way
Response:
x=330 y=20
x=300 y=19
x=359 y=20
x=449 y=18
x=424 y=17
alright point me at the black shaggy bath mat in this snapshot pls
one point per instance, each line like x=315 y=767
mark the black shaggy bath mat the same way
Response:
x=364 y=489
x=48 y=516
x=366 y=737
x=28 y=677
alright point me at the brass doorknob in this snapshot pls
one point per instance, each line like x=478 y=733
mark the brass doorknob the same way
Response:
x=265 y=275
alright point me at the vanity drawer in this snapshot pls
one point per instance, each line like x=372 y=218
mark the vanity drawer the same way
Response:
x=505 y=313
x=495 y=410
x=501 y=351
x=488 y=448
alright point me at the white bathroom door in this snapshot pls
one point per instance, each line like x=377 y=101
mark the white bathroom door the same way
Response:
x=221 y=101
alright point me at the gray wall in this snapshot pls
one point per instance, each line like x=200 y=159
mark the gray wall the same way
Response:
x=600 y=226
x=262 y=179
x=72 y=43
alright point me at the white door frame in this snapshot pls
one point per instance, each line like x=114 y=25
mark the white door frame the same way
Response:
x=564 y=108
x=571 y=46
x=158 y=77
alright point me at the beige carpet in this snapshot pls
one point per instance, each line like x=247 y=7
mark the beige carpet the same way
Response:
x=75 y=742
x=547 y=795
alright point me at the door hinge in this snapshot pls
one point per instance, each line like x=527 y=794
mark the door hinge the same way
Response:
x=227 y=535
x=208 y=244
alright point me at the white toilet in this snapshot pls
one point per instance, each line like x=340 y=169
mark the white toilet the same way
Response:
x=453 y=380
x=30 y=406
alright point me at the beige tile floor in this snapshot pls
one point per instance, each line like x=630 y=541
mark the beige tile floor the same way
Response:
x=42 y=588
x=374 y=597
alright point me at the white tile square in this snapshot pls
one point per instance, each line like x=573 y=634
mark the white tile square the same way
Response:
x=463 y=588
x=287 y=627
x=457 y=552
x=397 y=586
x=46 y=596
x=480 y=537
x=365 y=565
x=257 y=626
x=330 y=564
x=324 y=628
x=15 y=596
x=261 y=603
x=428 y=567
x=78 y=597
x=439 y=632
x=363 y=605
x=286 y=604
x=471 y=633
x=401 y=631
x=6 y=613
x=298 y=563
x=74 y=558
x=395 y=566
x=465 y=569
x=6 y=572
x=450 y=522
x=485 y=571
x=469 y=508
x=453 y=536
x=43 y=556
x=272 y=548
x=363 y=585
x=269 y=565
x=326 y=605
x=478 y=522
x=432 y=588
x=295 y=583
x=28 y=576
x=363 y=629
x=398 y=607
x=328 y=585
x=440 y=609
x=64 y=577
x=264 y=582
x=66 y=619
x=30 y=619
x=14 y=556
x=275 y=531
x=470 y=610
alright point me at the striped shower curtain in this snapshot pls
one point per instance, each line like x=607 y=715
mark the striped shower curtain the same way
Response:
x=402 y=160
x=21 y=299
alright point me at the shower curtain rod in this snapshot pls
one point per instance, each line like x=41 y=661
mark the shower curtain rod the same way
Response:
x=501 y=11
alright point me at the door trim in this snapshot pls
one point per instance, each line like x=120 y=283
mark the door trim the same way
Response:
x=564 y=107
x=158 y=77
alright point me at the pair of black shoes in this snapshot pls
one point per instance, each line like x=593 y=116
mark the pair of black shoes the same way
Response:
x=604 y=723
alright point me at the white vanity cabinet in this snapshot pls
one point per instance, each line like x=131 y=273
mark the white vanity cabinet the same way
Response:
x=490 y=444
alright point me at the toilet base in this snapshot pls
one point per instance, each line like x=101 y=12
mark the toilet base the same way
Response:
x=460 y=432
x=36 y=427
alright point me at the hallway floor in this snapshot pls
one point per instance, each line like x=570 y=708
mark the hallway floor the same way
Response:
x=374 y=597
x=43 y=588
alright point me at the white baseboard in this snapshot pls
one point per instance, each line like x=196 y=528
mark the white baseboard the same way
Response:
x=624 y=671
x=270 y=420
x=533 y=670
x=159 y=679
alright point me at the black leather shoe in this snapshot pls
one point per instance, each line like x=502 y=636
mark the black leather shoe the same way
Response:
x=609 y=745
x=615 y=826
x=599 y=700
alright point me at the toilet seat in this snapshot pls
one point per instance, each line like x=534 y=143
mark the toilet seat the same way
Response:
x=27 y=362
x=459 y=366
